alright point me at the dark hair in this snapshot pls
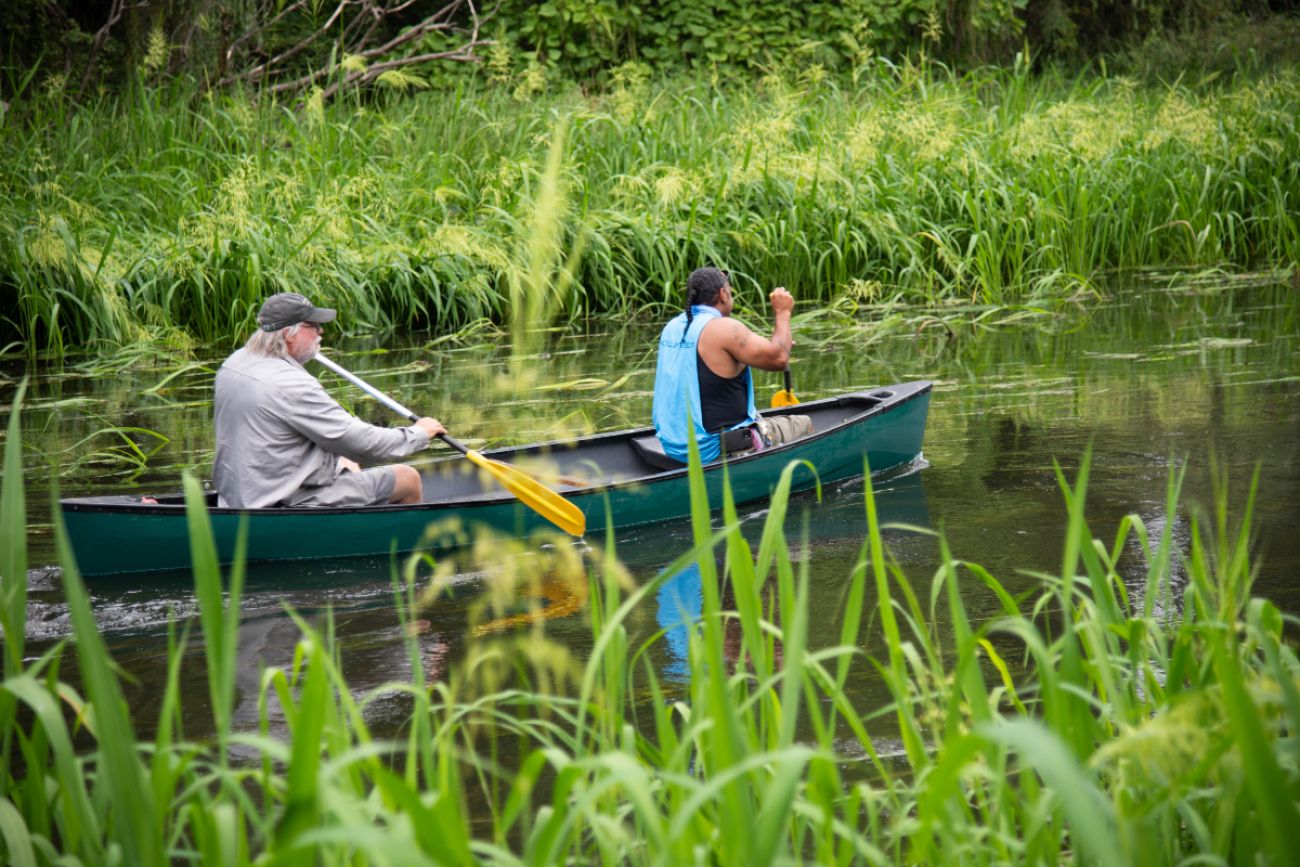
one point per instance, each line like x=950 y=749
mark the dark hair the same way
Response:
x=702 y=287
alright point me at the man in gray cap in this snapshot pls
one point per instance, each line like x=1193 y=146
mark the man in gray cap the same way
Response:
x=283 y=441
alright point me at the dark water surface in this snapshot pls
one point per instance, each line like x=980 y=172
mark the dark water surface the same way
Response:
x=1202 y=375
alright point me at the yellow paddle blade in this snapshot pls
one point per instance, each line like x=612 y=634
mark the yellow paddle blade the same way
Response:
x=784 y=398
x=534 y=494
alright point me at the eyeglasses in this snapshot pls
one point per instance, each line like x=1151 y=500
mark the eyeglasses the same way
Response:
x=316 y=326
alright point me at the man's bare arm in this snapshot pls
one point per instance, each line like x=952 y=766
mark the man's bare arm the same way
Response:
x=773 y=353
x=746 y=347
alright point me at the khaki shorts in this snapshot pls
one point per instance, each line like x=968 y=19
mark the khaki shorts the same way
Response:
x=367 y=488
x=781 y=429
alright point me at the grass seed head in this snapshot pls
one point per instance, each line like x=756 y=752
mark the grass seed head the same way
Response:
x=157 y=51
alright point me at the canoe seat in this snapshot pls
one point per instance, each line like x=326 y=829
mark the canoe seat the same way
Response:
x=650 y=450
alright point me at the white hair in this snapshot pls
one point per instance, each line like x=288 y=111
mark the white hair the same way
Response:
x=272 y=343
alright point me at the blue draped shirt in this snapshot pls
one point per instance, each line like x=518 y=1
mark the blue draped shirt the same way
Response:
x=676 y=406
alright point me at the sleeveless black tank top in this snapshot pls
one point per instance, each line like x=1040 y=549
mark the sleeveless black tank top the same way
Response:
x=724 y=403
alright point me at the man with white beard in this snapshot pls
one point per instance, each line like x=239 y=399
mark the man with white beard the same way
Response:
x=283 y=441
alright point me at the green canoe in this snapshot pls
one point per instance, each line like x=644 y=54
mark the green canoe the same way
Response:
x=622 y=475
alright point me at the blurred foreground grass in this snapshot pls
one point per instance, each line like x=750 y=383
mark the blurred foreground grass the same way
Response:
x=1098 y=719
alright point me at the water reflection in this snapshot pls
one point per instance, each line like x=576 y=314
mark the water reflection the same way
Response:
x=900 y=501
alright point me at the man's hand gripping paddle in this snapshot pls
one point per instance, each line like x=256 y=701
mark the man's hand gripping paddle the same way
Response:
x=531 y=492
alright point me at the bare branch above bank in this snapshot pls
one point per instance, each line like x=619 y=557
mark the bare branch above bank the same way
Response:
x=361 y=21
x=116 y=10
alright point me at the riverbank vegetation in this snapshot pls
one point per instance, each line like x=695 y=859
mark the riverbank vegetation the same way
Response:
x=289 y=46
x=1138 y=705
x=169 y=213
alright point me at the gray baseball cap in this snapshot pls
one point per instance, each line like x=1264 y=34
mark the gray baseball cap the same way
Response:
x=289 y=308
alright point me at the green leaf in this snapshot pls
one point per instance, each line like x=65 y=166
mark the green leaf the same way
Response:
x=1091 y=824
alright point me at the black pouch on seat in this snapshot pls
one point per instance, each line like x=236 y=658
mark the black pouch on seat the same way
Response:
x=739 y=440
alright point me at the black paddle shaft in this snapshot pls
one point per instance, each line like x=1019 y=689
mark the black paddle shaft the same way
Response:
x=453 y=442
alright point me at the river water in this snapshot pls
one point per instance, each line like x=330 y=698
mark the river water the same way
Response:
x=1149 y=379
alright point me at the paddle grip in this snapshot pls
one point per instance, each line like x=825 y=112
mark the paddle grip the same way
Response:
x=789 y=387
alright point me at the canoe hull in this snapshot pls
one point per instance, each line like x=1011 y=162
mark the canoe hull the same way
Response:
x=119 y=534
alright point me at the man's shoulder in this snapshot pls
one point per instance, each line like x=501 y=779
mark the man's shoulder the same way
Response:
x=280 y=374
x=723 y=329
x=679 y=319
x=674 y=331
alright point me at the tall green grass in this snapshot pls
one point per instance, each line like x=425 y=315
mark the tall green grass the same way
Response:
x=1139 y=706
x=169 y=214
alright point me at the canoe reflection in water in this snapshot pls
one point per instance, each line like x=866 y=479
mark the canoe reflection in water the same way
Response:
x=900 y=499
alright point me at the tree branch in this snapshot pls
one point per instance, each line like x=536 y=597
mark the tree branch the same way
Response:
x=362 y=24
x=261 y=28
x=463 y=54
x=263 y=69
x=115 y=12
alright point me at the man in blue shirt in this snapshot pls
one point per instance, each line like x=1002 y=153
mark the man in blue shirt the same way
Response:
x=703 y=380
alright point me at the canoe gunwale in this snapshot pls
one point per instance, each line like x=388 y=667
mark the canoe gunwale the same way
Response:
x=901 y=394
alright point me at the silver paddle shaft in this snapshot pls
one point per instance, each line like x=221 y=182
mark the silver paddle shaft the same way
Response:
x=367 y=388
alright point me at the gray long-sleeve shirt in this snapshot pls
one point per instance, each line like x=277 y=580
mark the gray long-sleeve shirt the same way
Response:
x=278 y=430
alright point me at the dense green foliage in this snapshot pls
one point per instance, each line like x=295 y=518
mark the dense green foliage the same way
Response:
x=108 y=43
x=168 y=209
x=1139 y=706
x=585 y=38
